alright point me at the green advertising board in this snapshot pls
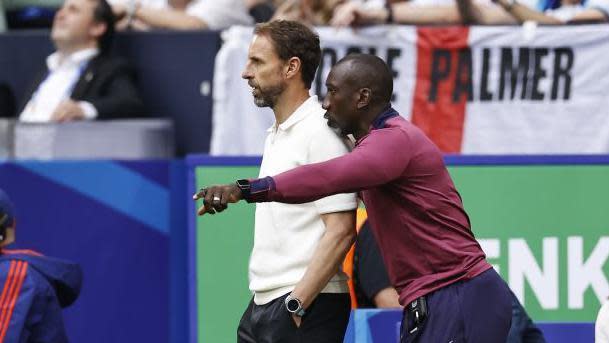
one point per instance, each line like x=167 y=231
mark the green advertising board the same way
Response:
x=545 y=228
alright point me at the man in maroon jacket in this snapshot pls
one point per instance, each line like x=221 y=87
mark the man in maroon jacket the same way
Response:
x=449 y=290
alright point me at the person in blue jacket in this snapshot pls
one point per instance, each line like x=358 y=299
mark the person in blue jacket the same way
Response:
x=35 y=288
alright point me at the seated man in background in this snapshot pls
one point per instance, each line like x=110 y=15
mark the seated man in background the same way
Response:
x=373 y=288
x=34 y=288
x=182 y=15
x=82 y=81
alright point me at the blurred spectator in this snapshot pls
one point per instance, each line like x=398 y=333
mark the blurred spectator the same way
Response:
x=35 y=288
x=127 y=20
x=309 y=12
x=355 y=13
x=602 y=324
x=373 y=289
x=196 y=15
x=513 y=11
x=83 y=81
x=260 y=10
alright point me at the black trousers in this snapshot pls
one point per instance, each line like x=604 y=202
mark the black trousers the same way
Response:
x=325 y=321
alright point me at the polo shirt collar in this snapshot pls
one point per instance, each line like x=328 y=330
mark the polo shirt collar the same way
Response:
x=301 y=112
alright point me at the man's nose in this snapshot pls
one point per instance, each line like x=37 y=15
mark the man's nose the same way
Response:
x=325 y=104
x=247 y=74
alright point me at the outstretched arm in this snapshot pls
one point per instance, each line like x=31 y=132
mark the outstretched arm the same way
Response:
x=474 y=13
x=166 y=18
x=355 y=14
x=512 y=12
x=379 y=159
x=523 y=13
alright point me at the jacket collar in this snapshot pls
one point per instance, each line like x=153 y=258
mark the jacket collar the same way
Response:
x=382 y=118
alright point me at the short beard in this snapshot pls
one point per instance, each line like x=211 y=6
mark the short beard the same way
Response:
x=340 y=130
x=269 y=96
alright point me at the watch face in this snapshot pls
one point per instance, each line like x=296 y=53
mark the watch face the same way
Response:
x=293 y=305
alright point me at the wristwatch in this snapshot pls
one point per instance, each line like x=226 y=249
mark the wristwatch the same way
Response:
x=294 y=306
x=245 y=187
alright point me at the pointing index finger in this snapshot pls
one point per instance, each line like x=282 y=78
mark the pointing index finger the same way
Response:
x=200 y=194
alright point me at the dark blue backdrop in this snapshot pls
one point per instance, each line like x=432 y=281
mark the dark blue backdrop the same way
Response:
x=114 y=218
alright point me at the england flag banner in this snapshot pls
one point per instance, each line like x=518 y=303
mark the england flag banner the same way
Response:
x=473 y=90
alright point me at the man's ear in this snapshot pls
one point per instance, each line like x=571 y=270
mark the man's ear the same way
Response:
x=364 y=98
x=293 y=67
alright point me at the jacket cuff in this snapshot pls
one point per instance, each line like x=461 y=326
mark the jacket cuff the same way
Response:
x=261 y=190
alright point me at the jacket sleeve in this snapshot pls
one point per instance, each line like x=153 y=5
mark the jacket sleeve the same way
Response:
x=117 y=96
x=43 y=321
x=378 y=159
x=29 y=310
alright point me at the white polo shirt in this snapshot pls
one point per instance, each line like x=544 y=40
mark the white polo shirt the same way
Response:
x=286 y=235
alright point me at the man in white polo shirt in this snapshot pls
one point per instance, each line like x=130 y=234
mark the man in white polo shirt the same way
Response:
x=300 y=293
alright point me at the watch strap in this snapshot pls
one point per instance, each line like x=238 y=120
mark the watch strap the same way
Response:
x=257 y=190
x=245 y=187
